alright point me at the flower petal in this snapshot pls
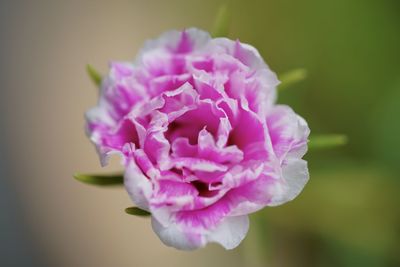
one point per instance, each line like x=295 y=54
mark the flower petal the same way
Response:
x=138 y=185
x=197 y=164
x=208 y=149
x=288 y=131
x=172 y=236
x=251 y=136
x=177 y=41
x=254 y=195
x=230 y=232
x=294 y=177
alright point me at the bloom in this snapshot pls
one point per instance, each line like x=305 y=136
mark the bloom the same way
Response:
x=202 y=140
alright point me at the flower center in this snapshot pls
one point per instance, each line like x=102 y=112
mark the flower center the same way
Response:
x=203 y=189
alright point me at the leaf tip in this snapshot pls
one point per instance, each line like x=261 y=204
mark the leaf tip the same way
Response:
x=292 y=77
x=328 y=141
x=221 y=21
x=101 y=180
x=94 y=75
x=79 y=177
x=342 y=139
x=137 y=212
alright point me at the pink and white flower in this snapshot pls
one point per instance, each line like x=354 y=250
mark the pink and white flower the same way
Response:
x=201 y=138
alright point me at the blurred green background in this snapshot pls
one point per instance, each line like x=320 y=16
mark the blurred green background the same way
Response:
x=348 y=214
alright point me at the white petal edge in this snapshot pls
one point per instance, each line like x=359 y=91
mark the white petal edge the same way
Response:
x=290 y=126
x=294 y=177
x=173 y=237
x=138 y=186
x=231 y=232
x=171 y=38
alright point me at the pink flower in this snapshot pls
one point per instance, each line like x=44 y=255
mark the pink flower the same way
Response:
x=203 y=142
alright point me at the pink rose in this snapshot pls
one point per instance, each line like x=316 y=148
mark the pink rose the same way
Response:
x=203 y=142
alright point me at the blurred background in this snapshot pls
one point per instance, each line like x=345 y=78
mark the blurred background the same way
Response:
x=348 y=214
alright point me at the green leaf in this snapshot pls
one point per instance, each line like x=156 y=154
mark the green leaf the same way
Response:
x=94 y=75
x=221 y=22
x=291 y=77
x=137 y=212
x=327 y=141
x=102 y=180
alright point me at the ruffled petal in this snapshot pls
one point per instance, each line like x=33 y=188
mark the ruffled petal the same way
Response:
x=173 y=236
x=181 y=147
x=251 y=136
x=167 y=54
x=294 y=177
x=288 y=131
x=177 y=42
x=120 y=90
x=231 y=232
x=208 y=149
x=138 y=185
x=254 y=195
x=197 y=164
